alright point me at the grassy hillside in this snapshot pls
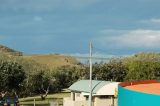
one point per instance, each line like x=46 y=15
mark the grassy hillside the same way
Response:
x=52 y=60
x=9 y=51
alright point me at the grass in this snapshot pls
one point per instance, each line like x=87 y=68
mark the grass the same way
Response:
x=57 y=98
x=52 y=60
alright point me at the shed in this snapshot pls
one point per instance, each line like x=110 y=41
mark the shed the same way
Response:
x=102 y=91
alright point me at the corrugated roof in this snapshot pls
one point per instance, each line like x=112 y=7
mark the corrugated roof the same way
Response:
x=83 y=86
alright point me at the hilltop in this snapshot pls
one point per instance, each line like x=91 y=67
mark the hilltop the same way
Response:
x=9 y=51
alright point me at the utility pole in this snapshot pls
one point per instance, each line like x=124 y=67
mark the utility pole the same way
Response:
x=90 y=96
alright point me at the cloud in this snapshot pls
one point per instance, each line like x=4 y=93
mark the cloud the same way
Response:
x=131 y=39
x=152 y=20
x=112 y=32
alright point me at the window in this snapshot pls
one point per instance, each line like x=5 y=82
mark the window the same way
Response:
x=104 y=97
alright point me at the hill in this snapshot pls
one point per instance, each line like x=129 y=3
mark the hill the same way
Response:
x=52 y=60
x=9 y=51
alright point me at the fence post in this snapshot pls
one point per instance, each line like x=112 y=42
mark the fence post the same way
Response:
x=34 y=102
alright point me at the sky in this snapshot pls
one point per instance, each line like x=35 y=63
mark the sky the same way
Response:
x=115 y=27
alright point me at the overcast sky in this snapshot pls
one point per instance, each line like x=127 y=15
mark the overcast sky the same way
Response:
x=119 y=27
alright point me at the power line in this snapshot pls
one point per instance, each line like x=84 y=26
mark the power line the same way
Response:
x=105 y=51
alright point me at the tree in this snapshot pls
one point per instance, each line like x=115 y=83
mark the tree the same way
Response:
x=114 y=70
x=143 y=70
x=12 y=76
x=143 y=66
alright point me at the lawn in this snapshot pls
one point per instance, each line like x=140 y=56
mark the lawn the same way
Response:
x=56 y=98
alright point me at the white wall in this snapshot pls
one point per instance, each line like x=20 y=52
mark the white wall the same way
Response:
x=80 y=100
x=104 y=102
x=68 y=102
x=79 y=97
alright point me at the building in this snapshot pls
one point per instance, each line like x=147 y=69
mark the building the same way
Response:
x=103 y=93
x=140 y=93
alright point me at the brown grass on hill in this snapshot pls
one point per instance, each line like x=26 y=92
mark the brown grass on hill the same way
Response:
x=53 y=61
x=9 y=51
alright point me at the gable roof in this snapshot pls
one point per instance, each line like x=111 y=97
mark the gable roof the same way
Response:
x=83 y=86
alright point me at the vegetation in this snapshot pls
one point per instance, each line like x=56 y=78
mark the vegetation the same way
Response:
x=27 y=77
x=34 y=75
x=143 y=66
x=57 y=97
x=11 y=75
x=52 y=60
x=114 y=70
x=9 y=51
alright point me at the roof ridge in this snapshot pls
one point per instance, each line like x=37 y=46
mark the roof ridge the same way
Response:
x=96 y=85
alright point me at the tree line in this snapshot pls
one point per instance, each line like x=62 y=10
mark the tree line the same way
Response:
x=28 y=78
